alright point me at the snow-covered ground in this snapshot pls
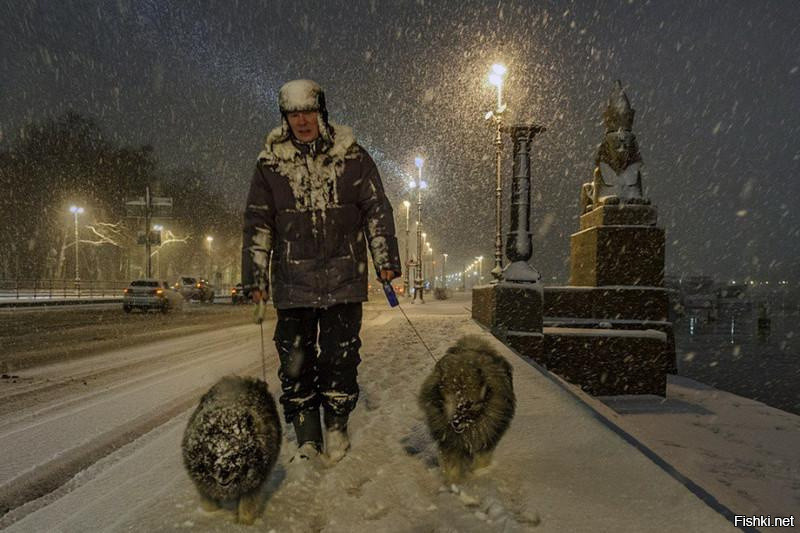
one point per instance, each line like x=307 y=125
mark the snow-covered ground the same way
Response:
x=743 y=452
x=557 y=469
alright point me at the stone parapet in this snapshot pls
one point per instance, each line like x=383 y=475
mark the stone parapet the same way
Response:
x=608 y=361
x=615 y=303
x=512 y=312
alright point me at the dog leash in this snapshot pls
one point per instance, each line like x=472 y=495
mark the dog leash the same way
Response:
x=263 y=356
x=416 y=332
x=258 y=317
x=391 y=297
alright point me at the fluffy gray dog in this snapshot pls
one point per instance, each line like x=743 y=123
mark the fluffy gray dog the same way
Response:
x=231 y=443
x=468 y=401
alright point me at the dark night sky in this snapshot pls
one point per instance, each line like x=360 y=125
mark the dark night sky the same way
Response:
x=716 y=86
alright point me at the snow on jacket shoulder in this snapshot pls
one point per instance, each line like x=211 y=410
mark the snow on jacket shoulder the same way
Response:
x=314 y=209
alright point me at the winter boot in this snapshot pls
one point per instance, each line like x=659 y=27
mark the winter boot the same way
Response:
x=336 y=441
x=308 y=429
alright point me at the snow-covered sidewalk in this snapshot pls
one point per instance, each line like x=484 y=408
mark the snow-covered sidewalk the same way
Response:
x=557 y=469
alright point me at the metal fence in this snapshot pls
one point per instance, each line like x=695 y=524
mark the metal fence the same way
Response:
x=41 y=289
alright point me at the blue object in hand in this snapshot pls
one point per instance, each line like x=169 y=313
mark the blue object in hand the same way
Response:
x=390 y=295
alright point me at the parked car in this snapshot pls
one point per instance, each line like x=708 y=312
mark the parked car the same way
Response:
x=147 y=294
x=187 y=287
x=239 y=295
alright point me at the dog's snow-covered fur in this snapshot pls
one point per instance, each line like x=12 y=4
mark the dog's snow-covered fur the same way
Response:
x=468 y=401
x=231 y=444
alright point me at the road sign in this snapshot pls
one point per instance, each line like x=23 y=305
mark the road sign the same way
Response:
x=160 y=207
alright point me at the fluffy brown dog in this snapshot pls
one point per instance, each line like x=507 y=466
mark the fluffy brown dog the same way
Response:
x=468 y=401
x=231 y=444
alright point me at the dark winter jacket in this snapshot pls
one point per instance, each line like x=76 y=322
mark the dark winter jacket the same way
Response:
x=313 y=209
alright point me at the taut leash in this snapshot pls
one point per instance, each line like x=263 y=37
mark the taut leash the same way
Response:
x=263 y=356
x=416 y=332
x=391 y=297
x=258 y=318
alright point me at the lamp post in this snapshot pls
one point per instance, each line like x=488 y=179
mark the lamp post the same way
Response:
x=209 y=240
x=407 y=277
x=418 y=289
x=444 y=272
x=158 y=228
x=75 y=210
x=432 y=267
x=496 y=79
x=422 y=262
x=480 y=269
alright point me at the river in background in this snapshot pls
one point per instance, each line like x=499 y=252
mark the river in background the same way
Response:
x=733 y=354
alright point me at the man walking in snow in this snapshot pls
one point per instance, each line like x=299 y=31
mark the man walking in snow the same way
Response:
x=316 y=202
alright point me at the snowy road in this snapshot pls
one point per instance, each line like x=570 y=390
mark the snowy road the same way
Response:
x=60 y=418
x=111 y=453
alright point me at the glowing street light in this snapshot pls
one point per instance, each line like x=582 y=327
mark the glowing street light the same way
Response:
x=496 y=76
x=75 y=210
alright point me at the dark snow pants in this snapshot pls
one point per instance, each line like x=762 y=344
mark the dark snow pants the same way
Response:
x=310 y=377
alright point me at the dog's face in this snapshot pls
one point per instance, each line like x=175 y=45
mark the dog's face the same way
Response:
x=464 y=392
x=228 y=451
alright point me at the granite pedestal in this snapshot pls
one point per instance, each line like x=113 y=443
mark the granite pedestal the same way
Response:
x=609 y=331
x=513 y=313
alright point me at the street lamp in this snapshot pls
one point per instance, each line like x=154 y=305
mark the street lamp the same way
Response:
x=407 y=277
x=209 y=240
x=444 y=271
x=422 y=262
x=75 y=210
x=418 y=289
x=496 y=78
x=431 y=269
x=480 y=269
x=159 y=228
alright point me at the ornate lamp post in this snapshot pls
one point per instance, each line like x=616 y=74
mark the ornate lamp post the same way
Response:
x=407 y=277
x=418 y=288
x=75 y=210
x=496 y=79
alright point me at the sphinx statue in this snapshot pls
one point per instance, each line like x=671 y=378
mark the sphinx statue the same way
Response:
x=617 y=174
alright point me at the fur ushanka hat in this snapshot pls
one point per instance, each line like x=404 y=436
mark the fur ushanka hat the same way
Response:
x=304 y=95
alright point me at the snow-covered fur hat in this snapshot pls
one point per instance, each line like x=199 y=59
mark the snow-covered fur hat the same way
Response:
x=304 y=95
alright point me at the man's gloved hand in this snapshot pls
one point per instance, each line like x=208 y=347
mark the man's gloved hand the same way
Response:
x=388 y=275
x=260 y=299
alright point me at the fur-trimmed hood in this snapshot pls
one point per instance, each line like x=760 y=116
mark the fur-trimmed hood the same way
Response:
x=312 y=174
x=278 y=145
